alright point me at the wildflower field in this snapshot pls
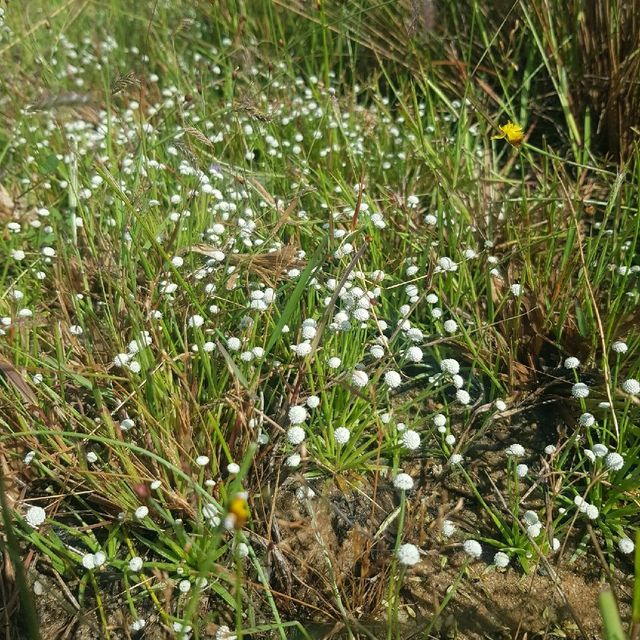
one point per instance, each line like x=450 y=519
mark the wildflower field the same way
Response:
x=319 y=319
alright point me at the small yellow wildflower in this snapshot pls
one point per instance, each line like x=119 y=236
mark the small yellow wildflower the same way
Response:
x=511 y=132
x=239 y=510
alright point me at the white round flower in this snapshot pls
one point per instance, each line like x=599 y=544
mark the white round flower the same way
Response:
x=202 y=461
x=297 y=414
x=134 y=366
x=361 y=315
x=121 y=359
x=450 y=366
x=448 y=528
x=392 y=379
x=295 y=435
x=571 y=363
x=195 y=321
x=411 y=439
x=458 y=381
x=516 y=450
x=313 y=402
x=450 y=326
x=450 y=439
x=626 y=545
x=455 y=458
x=142 y=512
x=619 y=347
x=408 y=554
x=302 y=350
x=522 y=470
x=135 y=564
x=447 y=264
x=530 y=517
x=472 y=548
x=463 y=396
x=516 y=289
x=293 y=460
x=359 y=379
x=233 y=344
x=334 y=362
x=534 y=530
x=377 y=351
x=184 y=630
x=233 y=468
x=550 y=449
x=35 y=516
x=586 y=420
x=414 y=354
x=592 y=511
x=500 y=405
x=403 y=482
x=600 y=450
x=614 y=461
x=88 y=561
x=439 y=420
x=341 y=435
x=501 y=560
x=590 y=455
x=631 y=386
x=138 y=625
x=184 y=586
x=75 y=330
x=309 y=332
x=127 y=424
x=579 y=390
x=211 y=514
x=92 y=457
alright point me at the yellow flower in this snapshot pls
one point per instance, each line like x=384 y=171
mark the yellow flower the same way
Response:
x=239 y=510
x=511 y=132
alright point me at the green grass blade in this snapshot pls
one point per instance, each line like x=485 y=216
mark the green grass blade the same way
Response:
x=27 y=609
x=610 y=616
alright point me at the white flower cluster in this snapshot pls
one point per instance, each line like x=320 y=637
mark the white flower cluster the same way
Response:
x=590 y=510
x=127 y=359
x=355 y=304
